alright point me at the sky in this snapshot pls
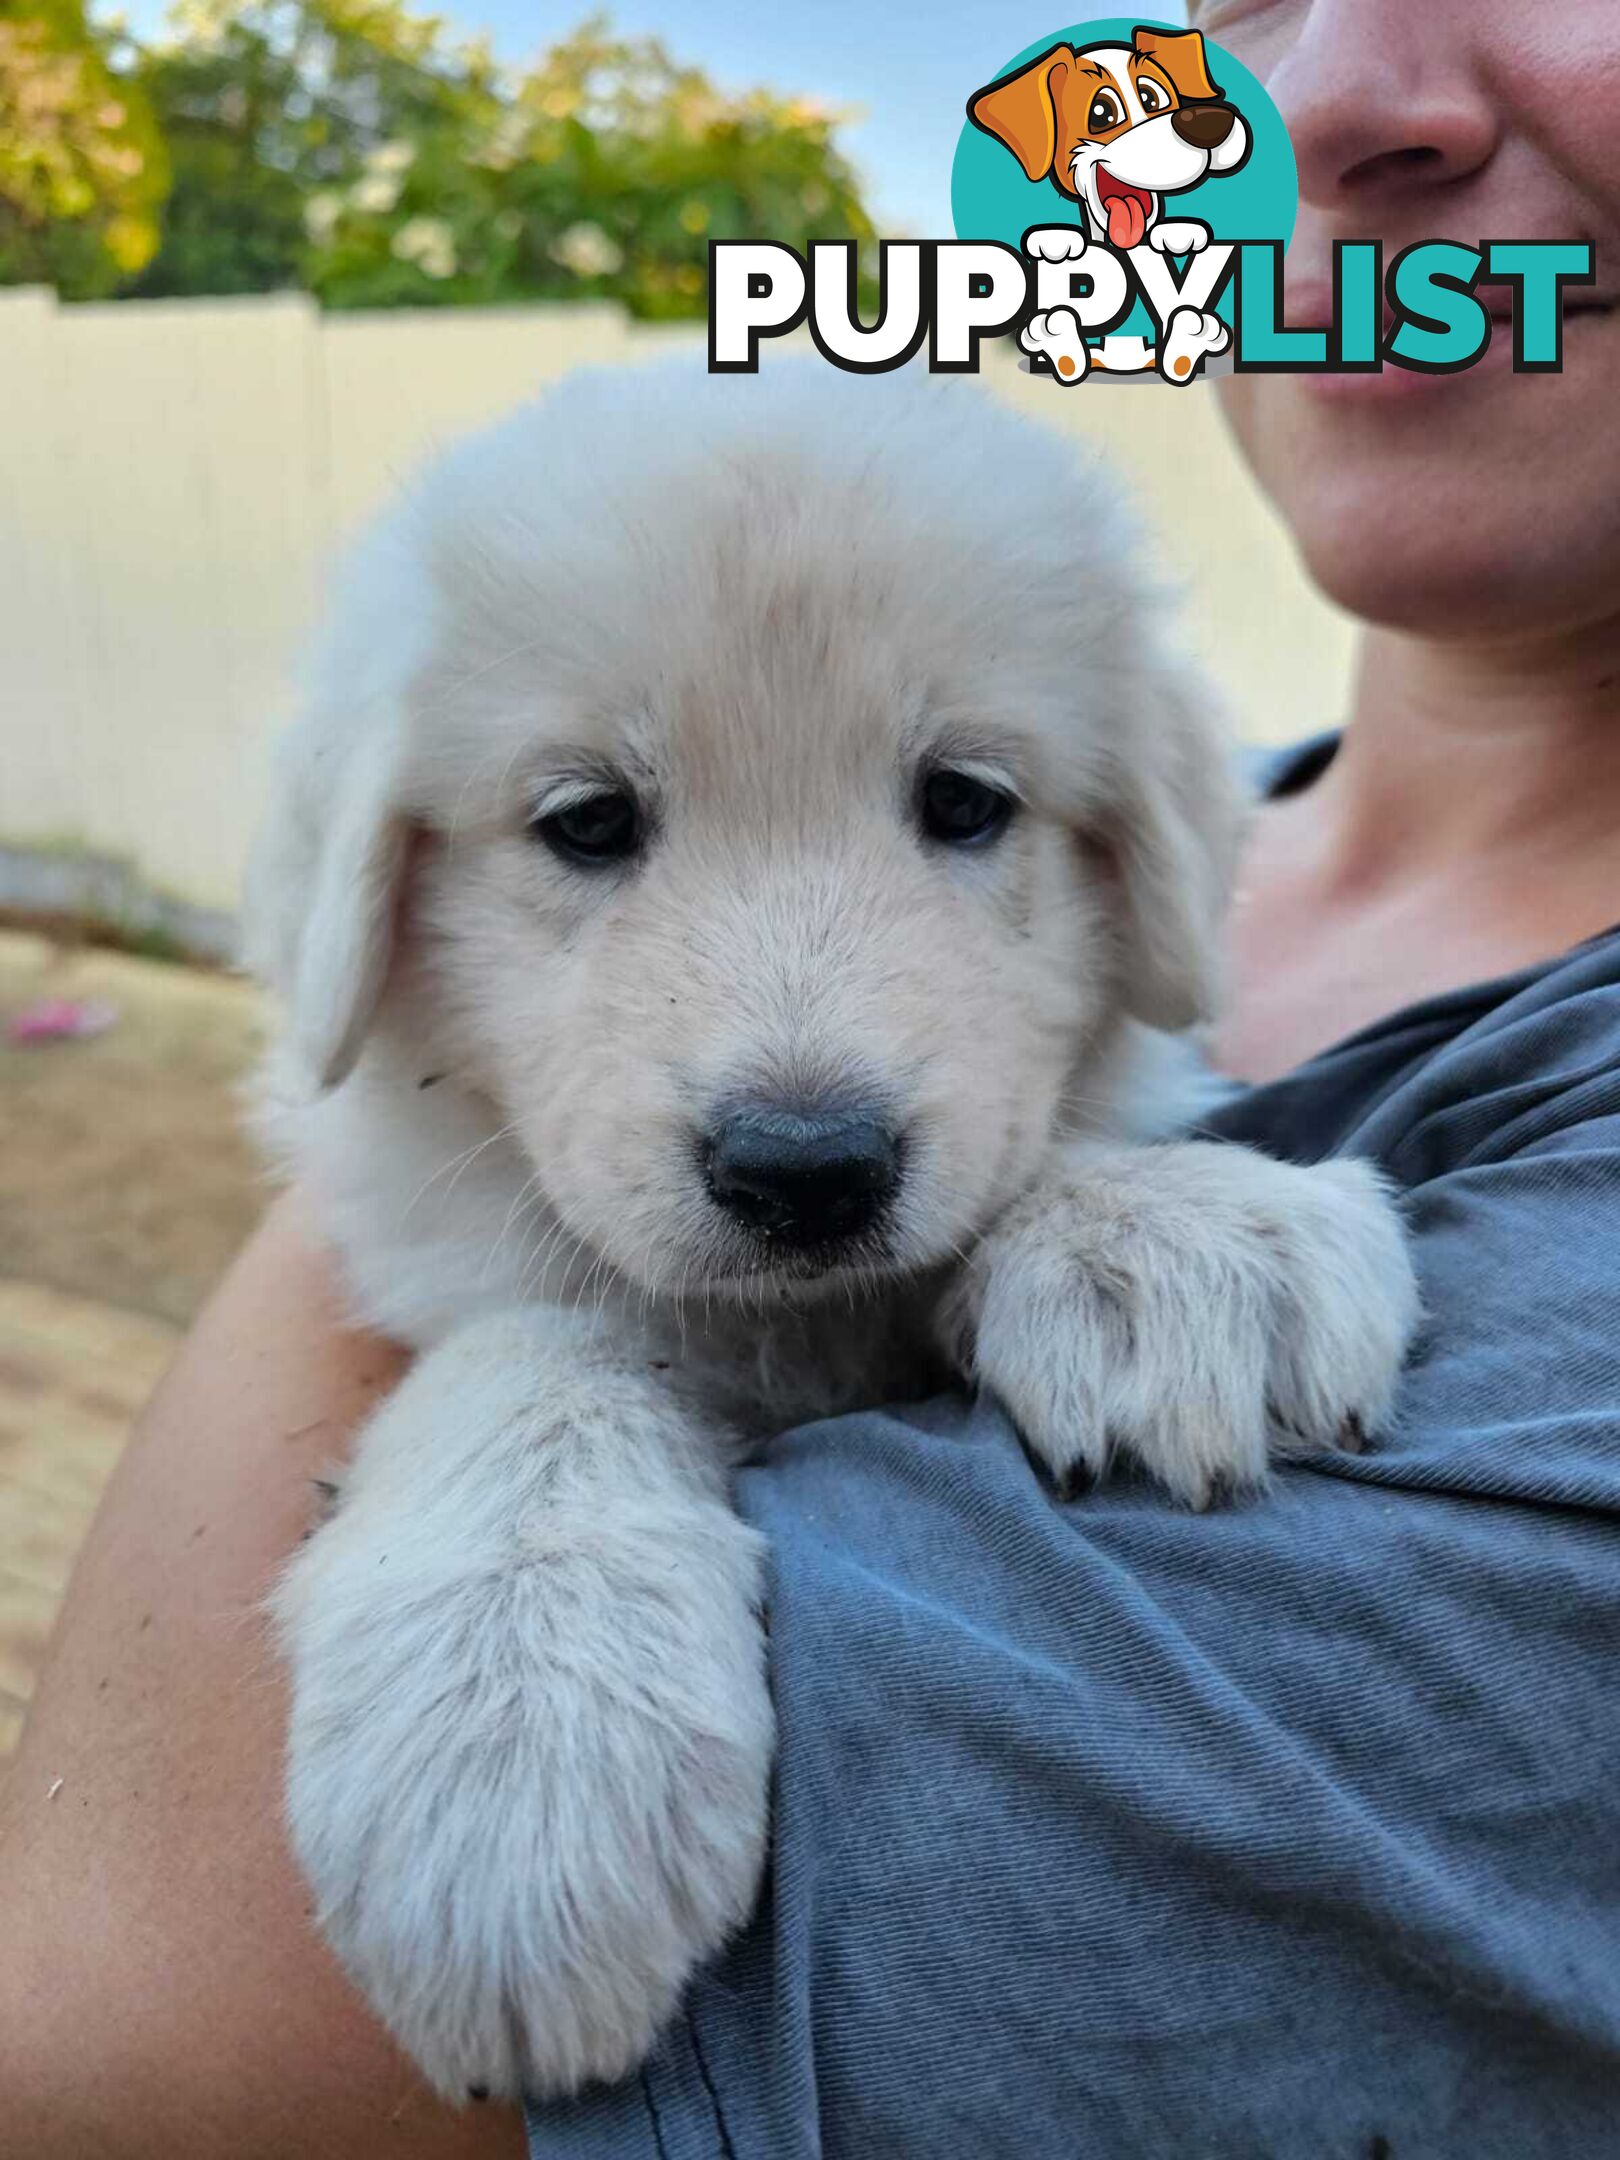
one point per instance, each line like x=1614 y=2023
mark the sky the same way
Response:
x=910 y=67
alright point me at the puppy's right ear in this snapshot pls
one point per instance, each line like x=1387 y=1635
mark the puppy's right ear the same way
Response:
x=1021 y=110
x=325 y=886
x=1178 y=817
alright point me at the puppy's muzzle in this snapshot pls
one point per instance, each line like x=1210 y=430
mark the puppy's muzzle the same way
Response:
x=1206 y=127
x=802 y=1179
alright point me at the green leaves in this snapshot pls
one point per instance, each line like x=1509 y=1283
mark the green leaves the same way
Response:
x=354 y=149
x=82 y=168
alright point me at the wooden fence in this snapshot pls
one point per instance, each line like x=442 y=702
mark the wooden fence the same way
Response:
x=174 y=475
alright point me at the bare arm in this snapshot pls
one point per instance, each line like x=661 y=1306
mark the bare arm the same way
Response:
x=162 y=1991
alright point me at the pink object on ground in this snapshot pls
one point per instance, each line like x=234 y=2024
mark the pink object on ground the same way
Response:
x=59 y=1019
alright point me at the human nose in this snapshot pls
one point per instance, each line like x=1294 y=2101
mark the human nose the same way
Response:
x=1384 y=100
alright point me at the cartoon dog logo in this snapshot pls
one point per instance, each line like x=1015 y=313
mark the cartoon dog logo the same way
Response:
x=1117 y=128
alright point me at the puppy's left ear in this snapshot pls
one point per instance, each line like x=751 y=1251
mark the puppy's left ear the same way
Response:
x=1175 y=830
x=325 y=886
x=1181 y=54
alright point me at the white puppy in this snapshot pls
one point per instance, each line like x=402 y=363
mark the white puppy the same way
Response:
x=742 y=835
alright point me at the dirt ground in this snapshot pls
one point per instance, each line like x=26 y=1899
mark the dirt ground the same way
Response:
x=124 y=1173
x=125 y=1187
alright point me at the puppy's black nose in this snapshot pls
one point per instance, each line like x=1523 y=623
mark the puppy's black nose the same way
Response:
x=802 y=1179
x=1204 y=126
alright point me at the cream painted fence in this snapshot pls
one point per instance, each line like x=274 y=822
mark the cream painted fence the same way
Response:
x=174 y=474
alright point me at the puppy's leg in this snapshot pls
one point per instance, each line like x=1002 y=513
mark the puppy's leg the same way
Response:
x=1198 y=1306
x=530 y=1732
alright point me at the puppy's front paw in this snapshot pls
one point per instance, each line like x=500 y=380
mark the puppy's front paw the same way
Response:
x=1197 y=1307
x=529 y=1787
x=1179 y=236
x=1055 y=243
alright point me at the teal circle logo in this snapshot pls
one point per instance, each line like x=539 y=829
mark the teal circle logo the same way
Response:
x=998 y=194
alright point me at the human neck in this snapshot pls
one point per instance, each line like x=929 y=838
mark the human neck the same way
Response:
x=1466 y=828
x=1468 y=754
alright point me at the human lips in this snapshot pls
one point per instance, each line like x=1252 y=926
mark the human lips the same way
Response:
x=1575 y=304
x=1396 y=386
x=1310 y=304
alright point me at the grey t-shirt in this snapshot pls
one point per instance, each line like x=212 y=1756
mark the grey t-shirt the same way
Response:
x=1287 y=1832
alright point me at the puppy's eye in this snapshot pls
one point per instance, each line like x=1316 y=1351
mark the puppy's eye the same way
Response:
x=601 y=828
x=1153 y=98
x=957 y=808
x=1106 y=112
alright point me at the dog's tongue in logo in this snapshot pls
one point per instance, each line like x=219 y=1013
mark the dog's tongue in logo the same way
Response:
x=1126 y=209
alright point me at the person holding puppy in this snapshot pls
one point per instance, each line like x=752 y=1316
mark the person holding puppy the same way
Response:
x=1104 y=1827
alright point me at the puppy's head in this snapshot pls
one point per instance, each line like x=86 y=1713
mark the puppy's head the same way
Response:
x=774 y=790
x=1117 y=126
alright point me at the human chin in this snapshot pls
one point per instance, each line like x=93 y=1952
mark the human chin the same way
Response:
x=1473 y=505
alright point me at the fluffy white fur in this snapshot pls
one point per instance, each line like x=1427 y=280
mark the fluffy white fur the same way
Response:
x=531 y=1736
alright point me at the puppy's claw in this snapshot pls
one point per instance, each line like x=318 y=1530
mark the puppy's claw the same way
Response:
x=1071 y=1478
x=1221 y=1489
x=1075 y=1482
x=1203 y=1307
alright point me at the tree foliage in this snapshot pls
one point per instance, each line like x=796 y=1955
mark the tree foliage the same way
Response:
x=606 y=172
x=82 y=168
x=358 y=151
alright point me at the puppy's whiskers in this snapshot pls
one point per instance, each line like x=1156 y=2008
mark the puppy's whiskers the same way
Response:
x=547 y=1246
x=528 y=1192
x=458 y=1163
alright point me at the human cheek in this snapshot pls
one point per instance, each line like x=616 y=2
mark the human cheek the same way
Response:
x=1257 y=32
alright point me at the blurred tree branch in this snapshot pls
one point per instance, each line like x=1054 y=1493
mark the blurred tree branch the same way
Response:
x=357 y=150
